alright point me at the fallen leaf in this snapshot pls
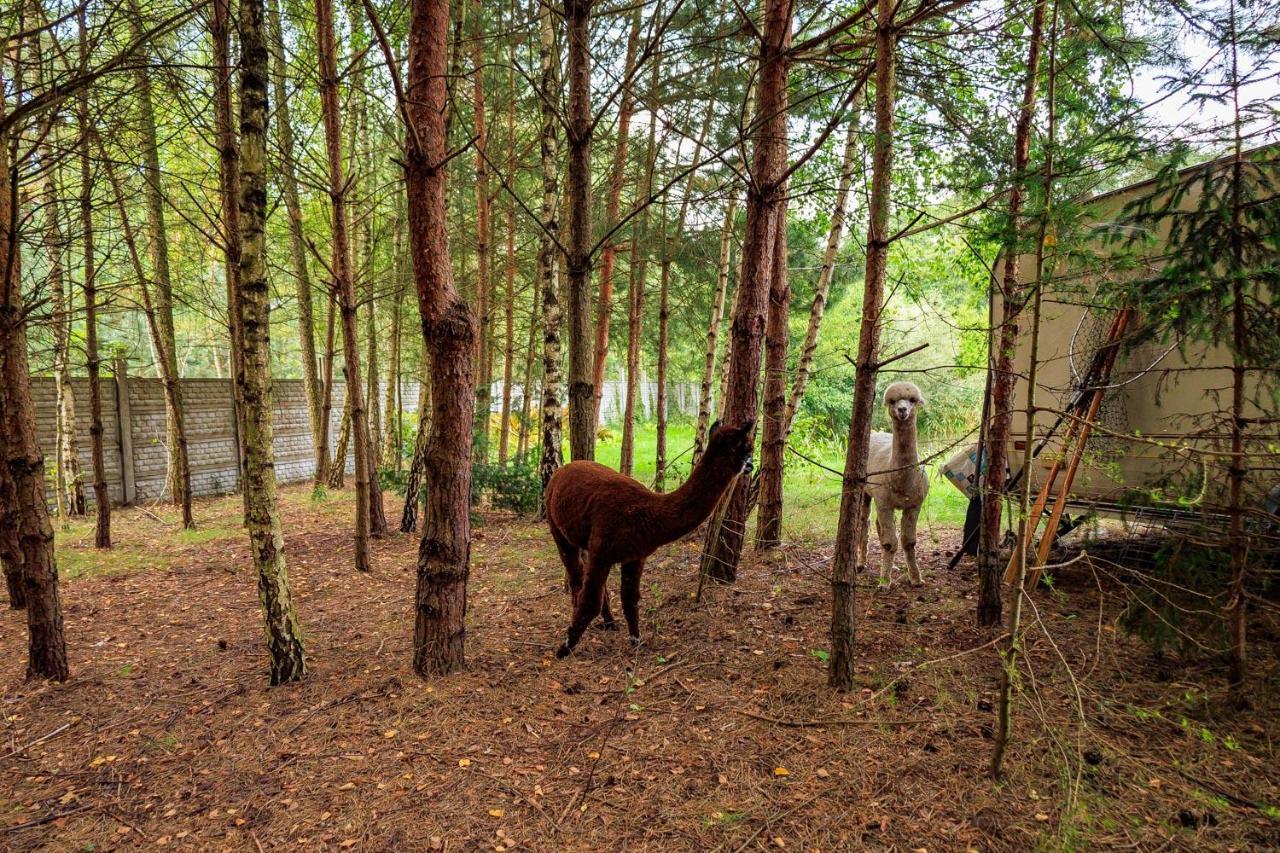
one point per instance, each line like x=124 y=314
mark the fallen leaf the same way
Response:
x=495 y=812
x=781 y=771
x=464 y=762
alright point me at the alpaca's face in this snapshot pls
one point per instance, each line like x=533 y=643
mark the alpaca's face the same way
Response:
x=732 y=444
x=902 y=399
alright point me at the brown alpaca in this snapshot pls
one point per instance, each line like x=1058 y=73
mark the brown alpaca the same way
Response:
x=616 y=520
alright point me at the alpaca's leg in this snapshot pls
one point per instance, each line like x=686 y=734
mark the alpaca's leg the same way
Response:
x=572 y=559
x=888 y=539
x=588 y=604
x=909 y=517
x=631 y=597
x=606 y=615
x=866 y=534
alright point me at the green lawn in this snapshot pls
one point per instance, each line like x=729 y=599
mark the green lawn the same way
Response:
x=811 y=494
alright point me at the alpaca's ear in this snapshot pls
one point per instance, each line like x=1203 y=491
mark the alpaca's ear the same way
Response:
x=714 y=427
x=748 y=426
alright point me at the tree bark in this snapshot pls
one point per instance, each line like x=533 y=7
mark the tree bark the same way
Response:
x=997 y=438
x=804 y=366
x=413 y=480
x=367 y=429
x=344 y=285
x=639 y=276
x=229 y=188
x=1237 y=610
x=297 y=240
x=613 y=203
x=723 y=545
x=851 y=529
x=284 y=643
x=70 y=479
x=664 y=291
x=552 y=455
x=713 y=331
x=393 y=406
x=1009 y=654
x=323 y=463
x=773 y=439
x=582 y=434
x=101 y=495
x=165 y=360
x=484 y=283
x=26 y=532
x=165 y=342
x=449 y=334
x=338 y=464
x=509 y=312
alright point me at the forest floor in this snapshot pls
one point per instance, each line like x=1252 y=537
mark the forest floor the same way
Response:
x=719 y=733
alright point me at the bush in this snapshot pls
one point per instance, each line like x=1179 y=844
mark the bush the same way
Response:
x=1179 y=606
x=515 y=486
x=392 y=480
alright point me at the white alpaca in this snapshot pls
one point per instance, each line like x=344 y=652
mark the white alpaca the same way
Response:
x=896 y=480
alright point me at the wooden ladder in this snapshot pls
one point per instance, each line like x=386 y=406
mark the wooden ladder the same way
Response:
x=1073 y=446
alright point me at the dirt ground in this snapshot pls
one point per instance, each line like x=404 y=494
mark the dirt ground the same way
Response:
x=719 y=733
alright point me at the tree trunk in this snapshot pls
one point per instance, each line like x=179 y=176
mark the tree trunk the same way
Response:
x=71 y=486
x=284 y=643
x=101 y=495
x=548 y=251
x=323 y=463
x=484 y=285
x=768 y=129
x=26 y=534
x=613 y=203
x=297 y=240
x=509 y=320
x=165 y=343
x=449 y=333
x=851 y=529
x=638 y=282
x=713 y=331
x=1009 y=654
x=344 y=285
x=664 y=291
x=370 y=422
x=391 y=455
x=996 y=443
x=773 y=438
x=414 y=480
x=165 y=360
x=664 y=342
x=338 y=465
x=1237 y=610
x=229 y=189
x=526 y=388
x=582 y=435
x=804 y=367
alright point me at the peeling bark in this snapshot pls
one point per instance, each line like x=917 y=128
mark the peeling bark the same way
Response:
x=284 y=643
x=449 y=334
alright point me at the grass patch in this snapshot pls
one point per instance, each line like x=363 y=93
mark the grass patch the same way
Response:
x=811 y=495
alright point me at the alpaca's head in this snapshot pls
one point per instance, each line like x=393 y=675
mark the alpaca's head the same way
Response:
x=729 y=446
x=902 y=399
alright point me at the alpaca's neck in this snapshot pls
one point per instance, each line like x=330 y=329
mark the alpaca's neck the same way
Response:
x=904 y=444
x=688 y=506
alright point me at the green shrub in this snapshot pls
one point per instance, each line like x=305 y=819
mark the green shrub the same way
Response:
x=1179 y=606
x=515 y=486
